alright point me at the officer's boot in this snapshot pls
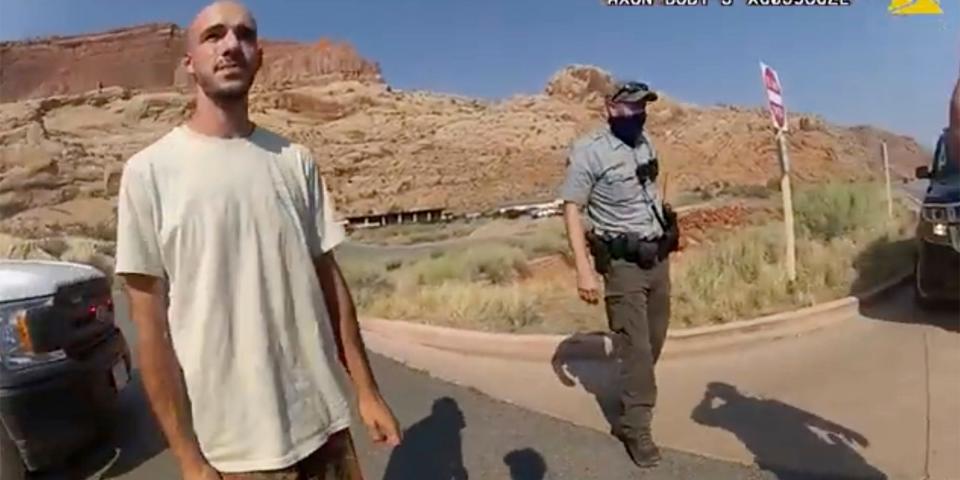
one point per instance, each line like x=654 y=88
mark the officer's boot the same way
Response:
x=641 y=447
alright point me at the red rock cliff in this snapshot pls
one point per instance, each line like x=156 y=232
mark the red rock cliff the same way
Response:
x=147 y=57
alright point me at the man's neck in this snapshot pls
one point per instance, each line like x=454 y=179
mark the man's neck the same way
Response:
x=221 y=119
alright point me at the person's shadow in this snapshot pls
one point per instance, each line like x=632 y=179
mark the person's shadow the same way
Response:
x=899 y=305
x=791 y=443
x=431 y=448
x=583 y=357
x=525 y=464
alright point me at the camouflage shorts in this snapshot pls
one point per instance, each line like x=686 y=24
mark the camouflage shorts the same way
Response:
x=335 y=460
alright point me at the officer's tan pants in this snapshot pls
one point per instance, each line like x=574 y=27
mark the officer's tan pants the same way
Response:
x=335 y=460
x=638 y=312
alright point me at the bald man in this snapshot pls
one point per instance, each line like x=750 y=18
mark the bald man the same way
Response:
x=246 y=329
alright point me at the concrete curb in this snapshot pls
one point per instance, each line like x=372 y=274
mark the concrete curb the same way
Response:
x=597 y=346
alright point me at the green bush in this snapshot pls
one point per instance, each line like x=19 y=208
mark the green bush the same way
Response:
x=833 y=210
x=494 y=263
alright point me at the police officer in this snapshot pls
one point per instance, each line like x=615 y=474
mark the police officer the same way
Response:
x=630 y=233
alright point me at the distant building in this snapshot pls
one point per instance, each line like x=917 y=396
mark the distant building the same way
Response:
x=534 y=210
x=425 y=215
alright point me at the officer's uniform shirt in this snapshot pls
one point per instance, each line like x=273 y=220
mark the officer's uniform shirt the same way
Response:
x=601 y=174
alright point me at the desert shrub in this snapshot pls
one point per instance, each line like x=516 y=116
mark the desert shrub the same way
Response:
x=547 y=239
x=494 y=263
x=367 y=280
x=833 y=210
x=464 y=304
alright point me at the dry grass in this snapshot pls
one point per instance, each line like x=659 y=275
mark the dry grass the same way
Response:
x=845 y=245
x=415 y=233
x=488 y=307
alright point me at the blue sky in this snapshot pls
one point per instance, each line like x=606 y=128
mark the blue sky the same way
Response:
x=852 y=65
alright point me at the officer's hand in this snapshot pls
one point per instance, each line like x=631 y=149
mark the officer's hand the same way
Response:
x=588 y=287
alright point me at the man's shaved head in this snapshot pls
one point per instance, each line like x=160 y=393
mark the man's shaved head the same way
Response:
x=222 y=50
x=215 y=13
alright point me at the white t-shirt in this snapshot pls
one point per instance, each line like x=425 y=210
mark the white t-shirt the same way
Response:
x=234 y=224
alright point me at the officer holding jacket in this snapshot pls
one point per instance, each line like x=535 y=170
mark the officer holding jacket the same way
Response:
x=630 y=233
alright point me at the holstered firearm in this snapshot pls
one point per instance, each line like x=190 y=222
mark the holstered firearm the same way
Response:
x=629 y=247
x=670 y=242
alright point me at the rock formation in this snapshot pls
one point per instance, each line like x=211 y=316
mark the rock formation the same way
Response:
x=380 y=149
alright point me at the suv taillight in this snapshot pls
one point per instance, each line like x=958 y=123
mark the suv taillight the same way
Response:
x=17 y=349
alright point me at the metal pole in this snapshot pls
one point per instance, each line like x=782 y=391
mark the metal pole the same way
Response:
x=787 y=207
x=886 y=172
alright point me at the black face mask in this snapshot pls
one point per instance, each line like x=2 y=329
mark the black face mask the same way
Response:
x=628 y=128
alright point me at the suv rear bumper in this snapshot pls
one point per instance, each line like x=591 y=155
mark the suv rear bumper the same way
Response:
x=54 y=411
x=938 y=272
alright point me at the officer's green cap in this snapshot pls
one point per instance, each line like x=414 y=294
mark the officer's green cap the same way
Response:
x=630 y=91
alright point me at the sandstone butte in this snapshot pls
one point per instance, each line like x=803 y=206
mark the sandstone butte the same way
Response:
x=75 y=108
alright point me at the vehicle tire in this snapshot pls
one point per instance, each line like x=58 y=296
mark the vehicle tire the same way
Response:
x=11 y=465
x=919 y=300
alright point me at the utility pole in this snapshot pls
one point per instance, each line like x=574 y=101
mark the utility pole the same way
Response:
x=886 y=173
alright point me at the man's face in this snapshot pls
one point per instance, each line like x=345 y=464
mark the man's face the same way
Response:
x=223 y=54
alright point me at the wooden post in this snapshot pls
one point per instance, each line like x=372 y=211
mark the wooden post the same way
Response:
x=666 y=183
x=787 y=207
x=886 y=173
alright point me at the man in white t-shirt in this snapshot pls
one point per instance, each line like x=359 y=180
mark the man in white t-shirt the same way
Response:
x=244 y=321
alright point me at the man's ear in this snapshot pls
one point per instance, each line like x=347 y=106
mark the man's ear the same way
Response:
x=187 y=62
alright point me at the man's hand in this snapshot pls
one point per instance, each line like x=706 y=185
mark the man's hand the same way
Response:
x=201 y=471
x=380 y=422
x=588 y=287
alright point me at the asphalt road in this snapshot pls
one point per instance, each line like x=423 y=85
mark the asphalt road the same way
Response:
x=449 y=429
x=915 y=189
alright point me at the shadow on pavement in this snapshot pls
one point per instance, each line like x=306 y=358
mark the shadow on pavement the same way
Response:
x=900 y=307
x=525 y=464
x=137 y=437
x=897 y=305
x=134 y=438
x=788 y=442
x=431 y=448
x=581 y=357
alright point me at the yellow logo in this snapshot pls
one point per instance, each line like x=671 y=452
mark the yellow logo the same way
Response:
x=915 y=7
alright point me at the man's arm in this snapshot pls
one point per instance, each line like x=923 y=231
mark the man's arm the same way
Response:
x=162 y=377
x=343 y=316
x=575 y=191
x=346 y=328
x=576 y=237
x=588 y=287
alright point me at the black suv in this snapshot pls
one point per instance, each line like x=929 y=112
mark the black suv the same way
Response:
x=938 y=231
x=62 y=363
